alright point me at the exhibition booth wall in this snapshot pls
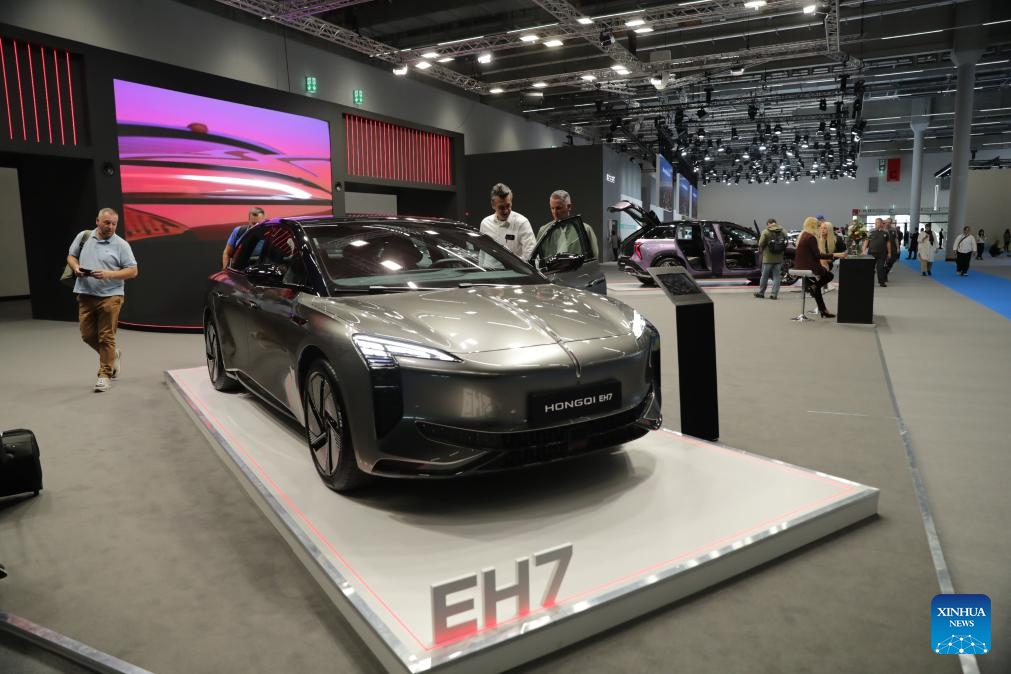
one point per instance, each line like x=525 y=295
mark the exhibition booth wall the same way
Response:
x=236 y=45
x=182 y=156
x=596 y=176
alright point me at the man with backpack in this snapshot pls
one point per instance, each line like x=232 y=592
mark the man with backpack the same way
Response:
x=772 y=245
x=256 y=215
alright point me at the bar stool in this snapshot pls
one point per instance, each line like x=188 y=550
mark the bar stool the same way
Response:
x=804 y=275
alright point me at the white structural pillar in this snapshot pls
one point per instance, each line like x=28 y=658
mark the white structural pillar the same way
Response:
x=918 y=123
x=966 y=60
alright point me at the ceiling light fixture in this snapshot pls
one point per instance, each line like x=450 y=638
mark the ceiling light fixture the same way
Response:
x=484 y=58
x=529 y=37
x=430 y=55
x=632 y=23
x=809 y=9
x=644 y=29
x=496 y=90
x=554 y=42
x=399 y=70
x=445 y=59
x=423 y=65
x=755 y=4
x=585 y=20
x=588 y=78
x=539 y=85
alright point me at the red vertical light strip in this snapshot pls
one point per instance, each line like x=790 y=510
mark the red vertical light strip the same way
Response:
x=442 y=161
x=21 y=95
x=35 y=104
x=59 y=96
x=387 y=129
x=70 y=93
x=447 y=176
x=400 y=153
x=366 y=137
x=45 y=87
x=353 y=145
x=425 y=165
x=372 y=148
x=7 y=100
x=414 y=155
x=347 y=145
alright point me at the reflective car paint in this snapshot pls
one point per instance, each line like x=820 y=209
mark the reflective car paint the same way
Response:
x=503 y=340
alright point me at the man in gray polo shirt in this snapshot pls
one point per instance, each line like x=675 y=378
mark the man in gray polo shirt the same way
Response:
x=102 y=262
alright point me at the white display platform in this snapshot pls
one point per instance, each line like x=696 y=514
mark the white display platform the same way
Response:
x=666 y=516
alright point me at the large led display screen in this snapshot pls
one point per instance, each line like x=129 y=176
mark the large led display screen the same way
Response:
x=684 y=197
x=666 y=197
x=191 y=168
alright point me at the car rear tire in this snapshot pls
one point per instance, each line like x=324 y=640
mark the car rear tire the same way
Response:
x=326 y=430
x=215 y=365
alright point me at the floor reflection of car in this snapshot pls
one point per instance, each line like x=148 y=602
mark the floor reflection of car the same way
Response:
x=705 y=248
x=413 y=347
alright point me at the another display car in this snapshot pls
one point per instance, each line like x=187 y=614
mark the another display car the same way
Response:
x=706 y=248
x=415 y=347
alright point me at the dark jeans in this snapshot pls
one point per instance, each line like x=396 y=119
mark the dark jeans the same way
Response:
x=962 y=261
x=880 y=261
x=980 y=247
x=815 y=285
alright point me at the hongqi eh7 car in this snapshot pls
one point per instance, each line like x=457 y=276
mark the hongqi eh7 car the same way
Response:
x=420 y=348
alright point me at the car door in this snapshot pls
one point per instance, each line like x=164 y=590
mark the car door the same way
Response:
x=715 y=254
x=559 y=244
x=276 y=326
x=234 y=299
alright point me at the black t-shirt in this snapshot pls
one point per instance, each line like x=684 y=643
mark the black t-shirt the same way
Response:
x=877 y=242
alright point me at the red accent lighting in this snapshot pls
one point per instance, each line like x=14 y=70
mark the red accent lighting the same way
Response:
x=7 y=99
x=377 y=149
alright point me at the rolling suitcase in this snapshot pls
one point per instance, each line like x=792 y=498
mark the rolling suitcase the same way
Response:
x=20 y=468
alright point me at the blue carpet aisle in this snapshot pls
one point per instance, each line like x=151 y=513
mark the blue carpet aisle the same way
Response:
x=993 y=292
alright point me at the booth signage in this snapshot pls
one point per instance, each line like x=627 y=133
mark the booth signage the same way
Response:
x=610 y=178
x=491 y=594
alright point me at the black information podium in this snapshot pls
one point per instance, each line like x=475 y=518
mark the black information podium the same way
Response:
x=696 y=351
x=856 y=290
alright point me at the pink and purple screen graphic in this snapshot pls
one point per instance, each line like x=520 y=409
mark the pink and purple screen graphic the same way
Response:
x=195 y=165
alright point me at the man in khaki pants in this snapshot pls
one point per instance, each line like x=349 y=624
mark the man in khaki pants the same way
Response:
x=102 y=263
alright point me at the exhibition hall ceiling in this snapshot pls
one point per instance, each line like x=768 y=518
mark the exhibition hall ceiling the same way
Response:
x=848 y=73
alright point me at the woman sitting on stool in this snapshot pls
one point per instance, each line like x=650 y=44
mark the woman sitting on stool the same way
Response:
x=809 y=257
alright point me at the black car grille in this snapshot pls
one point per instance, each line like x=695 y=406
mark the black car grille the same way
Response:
x=557 y=439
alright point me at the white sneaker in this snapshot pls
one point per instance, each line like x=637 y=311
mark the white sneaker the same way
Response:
x=115 y=364
x=102 y=385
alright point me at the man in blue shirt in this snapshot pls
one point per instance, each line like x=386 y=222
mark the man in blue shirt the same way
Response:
x=256 y=215
x=102 y=263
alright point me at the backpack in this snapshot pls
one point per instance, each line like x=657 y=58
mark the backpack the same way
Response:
x=777 y=243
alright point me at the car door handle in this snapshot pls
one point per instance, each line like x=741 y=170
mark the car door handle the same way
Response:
x=249 y=304
x=297 y=320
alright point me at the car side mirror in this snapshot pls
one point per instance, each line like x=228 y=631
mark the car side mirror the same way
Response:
x=265 y=274
x=562 y=262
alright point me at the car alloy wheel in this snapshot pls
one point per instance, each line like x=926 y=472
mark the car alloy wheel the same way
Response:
x=326 y=429
x=215 y=366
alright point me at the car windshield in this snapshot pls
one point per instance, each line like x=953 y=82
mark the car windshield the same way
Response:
x=406 y=255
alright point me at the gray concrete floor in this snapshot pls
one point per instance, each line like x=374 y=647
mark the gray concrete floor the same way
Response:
x=144 y=546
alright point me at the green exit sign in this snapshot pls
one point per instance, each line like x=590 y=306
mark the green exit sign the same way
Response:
x=358 y=97
x=310 y=84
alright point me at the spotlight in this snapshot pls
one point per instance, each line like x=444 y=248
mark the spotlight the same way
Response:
x=752 y=111
x=821 y=126
x=838 y=107
x=701 y=113
x=733 y=133
x=606 y=39
x=822 y=105
x=709 y=95
x=702 y=132
x=803 y=143
x=842 y=83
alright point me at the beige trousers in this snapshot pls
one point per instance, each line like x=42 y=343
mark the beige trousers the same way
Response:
x=98 y=318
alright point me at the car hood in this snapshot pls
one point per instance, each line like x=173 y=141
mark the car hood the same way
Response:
x=478 y=319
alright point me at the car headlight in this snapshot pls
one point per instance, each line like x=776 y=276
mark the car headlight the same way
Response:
x=382 y=351
x=639 y=324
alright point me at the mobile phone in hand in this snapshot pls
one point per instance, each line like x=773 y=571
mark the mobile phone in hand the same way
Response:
x=86 y=272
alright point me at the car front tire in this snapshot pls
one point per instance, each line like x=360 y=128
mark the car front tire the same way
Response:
x=215 y=365
x=326 y=429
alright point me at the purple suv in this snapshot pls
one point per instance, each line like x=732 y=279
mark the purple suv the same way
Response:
x=707 y=249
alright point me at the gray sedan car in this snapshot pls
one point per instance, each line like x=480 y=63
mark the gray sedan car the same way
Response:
x=415 y=347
